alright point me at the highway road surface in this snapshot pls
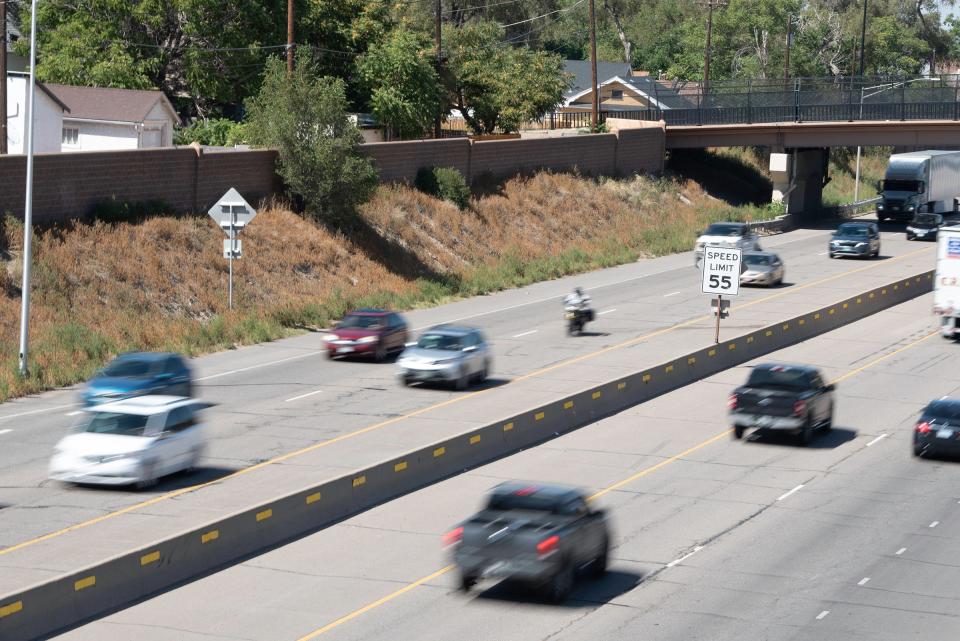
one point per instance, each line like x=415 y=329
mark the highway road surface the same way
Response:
x=276 y=398
x=850 y=538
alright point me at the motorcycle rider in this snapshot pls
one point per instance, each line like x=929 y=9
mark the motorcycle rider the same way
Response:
x=578 y=303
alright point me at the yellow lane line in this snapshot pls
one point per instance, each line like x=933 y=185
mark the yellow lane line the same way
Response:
x=423 y=410
x=610 y=488
x=375 y=604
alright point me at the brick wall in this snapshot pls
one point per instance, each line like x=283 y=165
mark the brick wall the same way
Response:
x=69 y=185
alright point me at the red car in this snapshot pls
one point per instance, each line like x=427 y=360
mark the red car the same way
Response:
x=367 y=332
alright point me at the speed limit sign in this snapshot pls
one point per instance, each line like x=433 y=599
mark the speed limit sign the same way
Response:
x=721 y=270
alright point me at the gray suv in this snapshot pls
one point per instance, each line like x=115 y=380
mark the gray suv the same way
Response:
x=855 y=239
x=447 y=354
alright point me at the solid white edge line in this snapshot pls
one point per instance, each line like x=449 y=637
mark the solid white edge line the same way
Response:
x=670 y=294
x=934 y=524
x=863 y=581
x=878 y=439
x=608 y=311
x=74 y=413
x=296 y=398
x=5 y=431
x=39 y=411
x=522 y=334
x=901 y=551
x=245 y=369
x=786 y=494
x=823 y=614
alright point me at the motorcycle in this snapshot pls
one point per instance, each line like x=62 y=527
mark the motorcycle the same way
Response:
x=576 y=317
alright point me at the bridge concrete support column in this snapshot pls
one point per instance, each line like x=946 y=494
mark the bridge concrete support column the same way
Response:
x=808 y=175
x=781 y=164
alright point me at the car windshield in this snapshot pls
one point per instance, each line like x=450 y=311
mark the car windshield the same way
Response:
x=926 y=219
x=852 y=230
x=440 y=341
x=754 y=259
x=522 y=501
x=361 y=321
x=115 y=423
x=778 y=377
x=724 y=229
x=129 y=367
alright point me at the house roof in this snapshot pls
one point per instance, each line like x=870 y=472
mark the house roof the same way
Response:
x=656 y=93
x=102 y=103
x=581 y=73
x=42 y=87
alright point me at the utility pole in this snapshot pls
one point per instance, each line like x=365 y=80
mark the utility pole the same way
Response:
x=708 y=52
x=786 y=60
x=863 y=37
x=290 y=44
x=595 y=102
x=437 y=133
x=3 y=77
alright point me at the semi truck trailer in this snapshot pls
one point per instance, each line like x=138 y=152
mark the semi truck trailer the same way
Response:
x=920 y=182
x=946 y=287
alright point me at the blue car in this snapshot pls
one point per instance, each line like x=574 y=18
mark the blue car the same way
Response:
x=137 y=374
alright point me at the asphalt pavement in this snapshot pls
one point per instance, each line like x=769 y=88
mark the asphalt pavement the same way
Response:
x=279 y=397
x=850 y=538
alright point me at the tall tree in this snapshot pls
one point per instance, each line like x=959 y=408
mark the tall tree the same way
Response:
x=497 y=87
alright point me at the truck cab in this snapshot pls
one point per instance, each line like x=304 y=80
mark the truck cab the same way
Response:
x=919 y=182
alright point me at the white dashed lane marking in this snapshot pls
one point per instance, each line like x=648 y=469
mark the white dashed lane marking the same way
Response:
x=5 y=431
x=783 y=496
x=608 y=311
x=823 y=614
x=863 y=581
x=877 y=440
x=296 y=398
x=935 y=524
x=901 y=551
x=521 y=335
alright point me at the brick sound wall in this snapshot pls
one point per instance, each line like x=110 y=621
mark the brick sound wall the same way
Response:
x=69 y=185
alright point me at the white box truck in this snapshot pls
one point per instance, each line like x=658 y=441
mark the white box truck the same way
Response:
x=920 y=181
x=946 y=286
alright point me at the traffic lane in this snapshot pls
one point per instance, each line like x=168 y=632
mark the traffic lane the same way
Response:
x=271 y=432
x=657 y=518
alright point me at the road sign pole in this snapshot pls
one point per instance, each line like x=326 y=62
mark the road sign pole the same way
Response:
x=716 y=336
x=233 y=242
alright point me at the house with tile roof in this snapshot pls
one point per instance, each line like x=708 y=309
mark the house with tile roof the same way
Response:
x=101 y=119
x=621 y=89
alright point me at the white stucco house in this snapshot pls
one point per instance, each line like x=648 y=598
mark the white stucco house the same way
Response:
x=101 y=119
x=48 y=124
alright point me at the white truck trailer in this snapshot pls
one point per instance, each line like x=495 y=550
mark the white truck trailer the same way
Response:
x=946 y=287
x=918 y=182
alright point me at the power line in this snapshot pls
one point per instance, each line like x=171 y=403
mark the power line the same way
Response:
x=564 y=10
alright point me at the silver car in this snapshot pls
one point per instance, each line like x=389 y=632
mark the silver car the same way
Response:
x=761 y=268
x=447 y=354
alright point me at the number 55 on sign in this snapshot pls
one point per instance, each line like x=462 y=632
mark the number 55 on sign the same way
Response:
x=721 y=271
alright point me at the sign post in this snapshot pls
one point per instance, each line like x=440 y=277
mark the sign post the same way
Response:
x=721 y=276
x=232 y=213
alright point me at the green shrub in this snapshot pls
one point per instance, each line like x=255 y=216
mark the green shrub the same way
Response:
x=115 y=210
x=217 y=132
x=444 y=182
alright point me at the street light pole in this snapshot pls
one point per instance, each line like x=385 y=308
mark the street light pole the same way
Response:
x=28 y=197
x=595 y=102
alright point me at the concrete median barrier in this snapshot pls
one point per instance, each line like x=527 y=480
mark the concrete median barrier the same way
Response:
x=66 y=600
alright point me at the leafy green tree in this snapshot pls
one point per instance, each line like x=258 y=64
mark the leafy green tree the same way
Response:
x=304 y=118
x=403 y=84
x=497 y=87
x=219 y=132
x=893 y=50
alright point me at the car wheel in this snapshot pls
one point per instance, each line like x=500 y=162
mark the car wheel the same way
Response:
x=482 y=376
x=195 y=457
x=463 y=380
x=405 y=381
x=329 y=355
x=738 y=432
x=832 y=255
x=598 y=567
x=380 y=354
x=806 y=432
x=918 y=450
x=561 y=585
x=467 y=581
x=149 y=477
x=828 y=423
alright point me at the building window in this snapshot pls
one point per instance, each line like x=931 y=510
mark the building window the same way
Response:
x=71 y=136
x=616 y=94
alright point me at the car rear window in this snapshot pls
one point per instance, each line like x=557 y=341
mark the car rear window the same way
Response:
x=944 y=410
x=754 y=259
x=115 y=423
x=786 y=377
x=852 y=230
x=362 y=321
x=128 y=367
x=520 y=501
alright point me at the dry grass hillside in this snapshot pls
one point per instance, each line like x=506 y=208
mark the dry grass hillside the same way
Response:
x=102 y=288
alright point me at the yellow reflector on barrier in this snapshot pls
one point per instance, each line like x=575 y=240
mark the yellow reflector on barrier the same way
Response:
x=691 y=360
x=597 y=395
x=621 y=385
x=360 y=480
x=399 y=467
x=11 y=608
x=712 y=352
x=147 y=559
x=440 y=451
x=568 y=405
x=313 y=498
x=769 y=332
x=668 y=369
x=474 y=439
x=84 y=583
x=646 y=378
x=212 y=535
x=266 y=514
x=539 y=416
x=507 y=427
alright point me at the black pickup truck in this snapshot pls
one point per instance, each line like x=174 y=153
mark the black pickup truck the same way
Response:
x=541 y=535
x=794 y=398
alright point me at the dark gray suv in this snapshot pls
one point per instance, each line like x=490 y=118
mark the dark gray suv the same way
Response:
x=855 y=239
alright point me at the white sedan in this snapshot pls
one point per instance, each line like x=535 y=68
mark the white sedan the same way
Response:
x=133 y=441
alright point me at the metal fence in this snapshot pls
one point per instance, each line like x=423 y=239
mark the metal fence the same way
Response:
x=795 y=100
